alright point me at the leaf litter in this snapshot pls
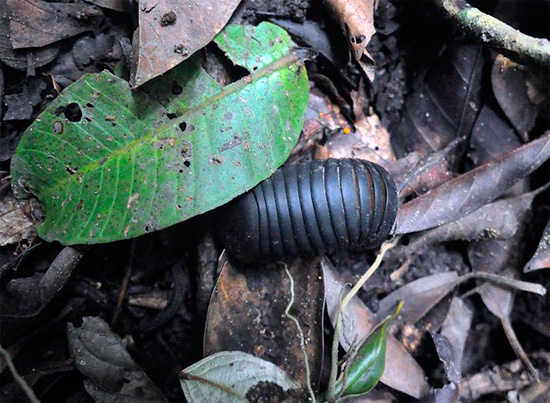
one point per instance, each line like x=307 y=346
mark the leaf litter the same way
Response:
x=111 y=373
x=448 y=118
x=468 y=192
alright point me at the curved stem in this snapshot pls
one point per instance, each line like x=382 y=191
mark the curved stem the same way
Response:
x=336 y=339
x=300 y=333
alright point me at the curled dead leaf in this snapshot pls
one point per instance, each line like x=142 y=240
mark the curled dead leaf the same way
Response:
x=356 y=17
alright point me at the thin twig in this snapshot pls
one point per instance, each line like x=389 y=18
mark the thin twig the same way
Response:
x=534 y=288
x=518 y=349
x=300 y=333
x=124 y=285
x=336 y=339
x=496 y=34
x=18 y=379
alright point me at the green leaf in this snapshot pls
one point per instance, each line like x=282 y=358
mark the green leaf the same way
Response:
x=366 y=366
x=227 y=376
x=109 y=163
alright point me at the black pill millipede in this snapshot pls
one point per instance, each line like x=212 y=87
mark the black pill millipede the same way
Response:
x=311 y=208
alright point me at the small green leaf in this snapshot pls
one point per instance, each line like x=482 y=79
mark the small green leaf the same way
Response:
x=109 y=163
x=366 y=366
x=227 y=376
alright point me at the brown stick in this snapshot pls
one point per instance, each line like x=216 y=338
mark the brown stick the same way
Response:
x=496 y=34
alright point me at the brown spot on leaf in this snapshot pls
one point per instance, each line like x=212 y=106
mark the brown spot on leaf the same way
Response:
x=131 y=199
x=181 y=50
x=168 y=19
x=111 y=118
x=230 y=144
x=186 y=150
x=216 y=160
x=58 y=127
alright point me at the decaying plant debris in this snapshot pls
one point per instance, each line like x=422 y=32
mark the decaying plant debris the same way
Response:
x=452 y=98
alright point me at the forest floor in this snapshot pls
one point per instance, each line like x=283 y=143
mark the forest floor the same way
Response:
x=459 y=121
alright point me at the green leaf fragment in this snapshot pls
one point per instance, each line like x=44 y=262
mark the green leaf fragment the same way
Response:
x=228 y=376
x=365 y=368
x=109 y=163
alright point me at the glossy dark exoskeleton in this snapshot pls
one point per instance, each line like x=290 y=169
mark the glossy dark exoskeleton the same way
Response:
x=312 y=208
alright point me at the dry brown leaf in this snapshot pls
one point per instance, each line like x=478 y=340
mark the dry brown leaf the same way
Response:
x=445 y=104
x=431 y=171
x=491 y=136
x=36 y=23
x=468 y=192
x=356 y=17
x=510 y=89
x=402 y=371
x=123 y=6
x=456 y=327
x=498 y=220
x=15 y=226
x=369 y=141
x=247 y=313
x=541 y=258
x=110 y=373
x=448 y=357
x=171 y=31
x=419 y=296
x=27 y=59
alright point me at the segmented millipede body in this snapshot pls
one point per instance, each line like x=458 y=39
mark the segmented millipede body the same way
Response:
x=312 y=208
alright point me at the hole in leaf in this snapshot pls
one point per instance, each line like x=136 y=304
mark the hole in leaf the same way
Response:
x=187 y=164
x=146 y=228
x=89 y=105
x=70 y=171
x=176 y=88
x=72 y=112
x=171 y=116
x=183 y=126
x=219 y=57
x=358 y=39
x=180 y=170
